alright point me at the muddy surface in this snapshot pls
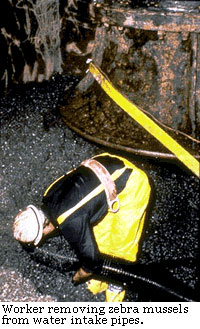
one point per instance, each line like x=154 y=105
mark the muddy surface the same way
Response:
x=153 y=66
x=36 y=147
x=98 y=118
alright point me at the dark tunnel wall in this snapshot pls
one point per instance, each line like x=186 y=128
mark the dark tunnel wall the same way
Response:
x=34 y=35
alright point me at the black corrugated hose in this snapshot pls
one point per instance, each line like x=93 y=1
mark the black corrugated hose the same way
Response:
x=132 y=276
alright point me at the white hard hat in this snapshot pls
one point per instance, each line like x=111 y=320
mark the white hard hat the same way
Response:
x=28 y=225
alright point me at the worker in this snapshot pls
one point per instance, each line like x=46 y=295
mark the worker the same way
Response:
x=100 y=208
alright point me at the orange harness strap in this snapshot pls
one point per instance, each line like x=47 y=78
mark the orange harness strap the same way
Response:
x=105 y=178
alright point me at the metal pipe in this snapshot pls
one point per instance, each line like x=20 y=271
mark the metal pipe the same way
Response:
x=145 y=153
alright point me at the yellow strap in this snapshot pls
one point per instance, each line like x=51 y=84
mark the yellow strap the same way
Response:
x=88 y=197
x=146 y=122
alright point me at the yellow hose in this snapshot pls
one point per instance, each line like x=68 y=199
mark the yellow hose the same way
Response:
x=154 y=129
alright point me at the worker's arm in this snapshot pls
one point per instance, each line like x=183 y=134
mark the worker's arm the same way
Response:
x=80 y=236
x=78 y=232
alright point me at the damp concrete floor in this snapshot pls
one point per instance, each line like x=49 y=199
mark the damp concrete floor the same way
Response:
x=37 y=147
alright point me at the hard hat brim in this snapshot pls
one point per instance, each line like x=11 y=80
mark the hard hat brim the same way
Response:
x=40 y=220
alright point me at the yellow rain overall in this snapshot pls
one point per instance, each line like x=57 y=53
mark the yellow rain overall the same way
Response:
x=119 y=234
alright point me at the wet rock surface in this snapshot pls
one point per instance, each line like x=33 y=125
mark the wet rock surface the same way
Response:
x=37 y=147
